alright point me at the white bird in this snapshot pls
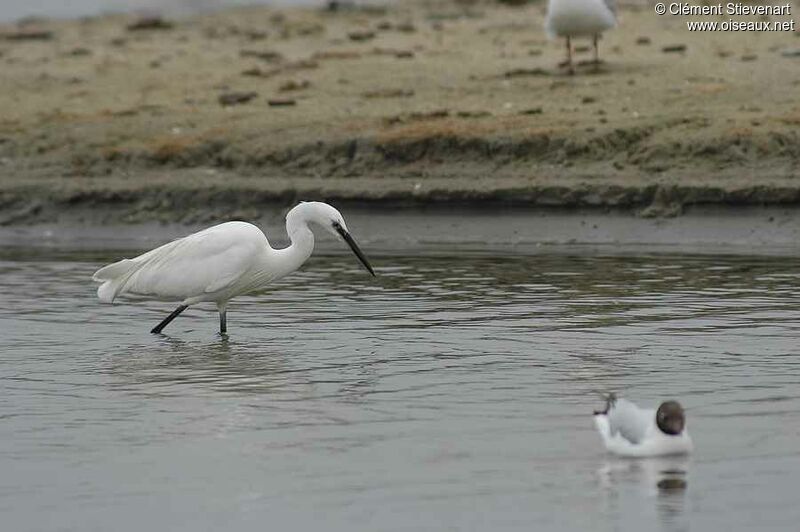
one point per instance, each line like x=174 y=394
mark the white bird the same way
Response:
x=628 y=430
x=579 y=18
x=221 y=262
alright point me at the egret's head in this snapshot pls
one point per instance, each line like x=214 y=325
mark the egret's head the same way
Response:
x=325 y=216
x=331 y=220
x=670 y=418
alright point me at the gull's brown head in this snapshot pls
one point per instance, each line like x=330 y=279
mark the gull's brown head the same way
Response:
x=670 y=418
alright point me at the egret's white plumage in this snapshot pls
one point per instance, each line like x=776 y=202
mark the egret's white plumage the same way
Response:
x=628 y=430
x=221 y=262
x=579 y=18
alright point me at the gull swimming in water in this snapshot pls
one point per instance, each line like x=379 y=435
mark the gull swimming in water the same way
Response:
x=221 y=262
x=579 y=18
x=628 y=430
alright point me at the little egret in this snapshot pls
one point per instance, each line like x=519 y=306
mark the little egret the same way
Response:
x=628 y=430
x=579 y=18
x=221 y=262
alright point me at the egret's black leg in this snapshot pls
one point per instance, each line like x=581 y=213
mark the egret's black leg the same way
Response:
x=223 y=321
x=158 y=328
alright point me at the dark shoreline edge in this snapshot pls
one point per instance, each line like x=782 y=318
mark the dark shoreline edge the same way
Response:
x=192 y=201
x=448 y=229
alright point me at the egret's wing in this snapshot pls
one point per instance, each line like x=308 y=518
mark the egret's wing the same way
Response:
x=629 y=421
x=612 y=6
x=201 y=263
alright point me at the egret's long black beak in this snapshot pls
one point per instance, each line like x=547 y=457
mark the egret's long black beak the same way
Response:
x=352 y=243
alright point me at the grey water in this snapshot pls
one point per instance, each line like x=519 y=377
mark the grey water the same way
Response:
x=451 y=392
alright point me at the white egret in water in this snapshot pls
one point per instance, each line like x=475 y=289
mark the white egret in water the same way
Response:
x=221 y=262
x=579 y=18
x=628 y=430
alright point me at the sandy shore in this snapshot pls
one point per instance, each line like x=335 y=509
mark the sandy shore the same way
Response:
x=418 y=103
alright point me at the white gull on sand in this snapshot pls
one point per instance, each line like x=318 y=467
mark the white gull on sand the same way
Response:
x=579 y=18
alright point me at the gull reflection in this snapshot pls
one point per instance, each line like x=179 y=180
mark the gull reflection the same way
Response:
x=664 y=480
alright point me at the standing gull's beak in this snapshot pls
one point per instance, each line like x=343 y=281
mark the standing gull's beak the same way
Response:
x=352 y=243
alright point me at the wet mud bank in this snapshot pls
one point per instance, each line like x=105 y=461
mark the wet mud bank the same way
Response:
x=448 y=230
x=205 y=195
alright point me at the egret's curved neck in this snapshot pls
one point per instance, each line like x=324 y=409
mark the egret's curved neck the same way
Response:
x=302 y=241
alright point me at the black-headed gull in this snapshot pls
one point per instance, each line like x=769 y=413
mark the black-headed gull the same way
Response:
x=628 y=430
x=579 y=18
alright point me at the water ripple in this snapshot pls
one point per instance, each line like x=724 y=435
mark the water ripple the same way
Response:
x=443 y=385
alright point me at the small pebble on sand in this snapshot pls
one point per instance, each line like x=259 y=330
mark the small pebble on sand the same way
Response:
x=150 y=23
x=268 y=56
x=281 y=102
x=236 y=98
x=27 y=34
x=293 y=85
x=361 y=35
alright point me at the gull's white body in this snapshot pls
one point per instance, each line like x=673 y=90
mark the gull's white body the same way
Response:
x=579 y=18
x=628 y=430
